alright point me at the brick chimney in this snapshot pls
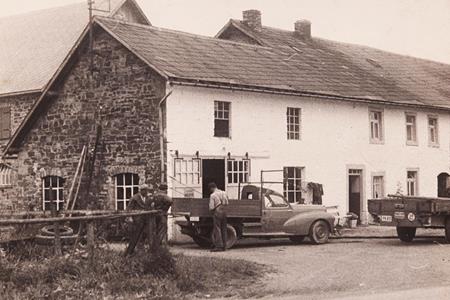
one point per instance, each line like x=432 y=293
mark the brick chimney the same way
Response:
x=303 y=29
x=252 y=18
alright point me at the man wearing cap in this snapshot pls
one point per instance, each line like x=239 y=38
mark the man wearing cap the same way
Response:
x=217 y=202
x=140 y=201
x=162 y=203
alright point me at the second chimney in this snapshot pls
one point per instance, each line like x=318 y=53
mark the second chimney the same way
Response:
x=252 y=18
x=303 y=29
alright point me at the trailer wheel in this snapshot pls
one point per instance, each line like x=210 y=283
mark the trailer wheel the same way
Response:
x=447 y=230
x=406 y=234
x=231 y=237
x=297 y=239
x=319 y=232
x=202 y=241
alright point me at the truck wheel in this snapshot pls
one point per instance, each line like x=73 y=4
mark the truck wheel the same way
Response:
x=406 y=234
x=447 y=230
x=297 y=239
x=231 y=237
x=319 y=232
x=202 y=241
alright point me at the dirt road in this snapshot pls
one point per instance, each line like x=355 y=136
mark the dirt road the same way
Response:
x=348 y=268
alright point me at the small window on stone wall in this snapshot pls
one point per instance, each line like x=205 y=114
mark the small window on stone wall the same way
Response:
x=5 y=176
x=127 y=184
x=53 y=191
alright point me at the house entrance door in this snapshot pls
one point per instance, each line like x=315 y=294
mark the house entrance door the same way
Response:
x=213 y=170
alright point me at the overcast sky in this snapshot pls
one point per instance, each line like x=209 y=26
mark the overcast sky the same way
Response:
x=415 y=27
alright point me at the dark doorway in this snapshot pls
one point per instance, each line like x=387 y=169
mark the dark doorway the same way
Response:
x=443 y=185
x=355 y=192
x=213 y=170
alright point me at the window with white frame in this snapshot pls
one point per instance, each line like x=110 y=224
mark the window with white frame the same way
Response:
x=5 y=176
x=127 y=185
x=411 y=129
x=433 y=133
x=293 y=184
x=376 y=126
x=293 y=123
x=187 y=171
x=53 y=192
x=377 y=186
x=412 y=183
x=238 y=171
x=222 y=119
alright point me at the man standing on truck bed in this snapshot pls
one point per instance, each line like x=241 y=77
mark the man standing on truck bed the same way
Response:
x=217 y=202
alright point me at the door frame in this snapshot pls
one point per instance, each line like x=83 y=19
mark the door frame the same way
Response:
x=363 y=203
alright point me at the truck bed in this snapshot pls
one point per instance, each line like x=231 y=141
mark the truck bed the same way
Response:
x=195 y=207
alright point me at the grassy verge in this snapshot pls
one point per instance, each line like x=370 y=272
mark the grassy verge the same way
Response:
x=34 y=273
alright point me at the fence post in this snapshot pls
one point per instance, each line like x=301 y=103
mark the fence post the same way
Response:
x=54 y=213
x=152 y=233
x=91 y=241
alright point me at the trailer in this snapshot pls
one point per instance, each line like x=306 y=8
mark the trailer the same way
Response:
x=407 y=213
x=260 y=213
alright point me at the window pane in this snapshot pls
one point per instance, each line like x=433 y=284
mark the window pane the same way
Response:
x=119 y=179
x=221 y=128
x=120 y=194
x=120 y=205
x=128 y=179
x=128 y=192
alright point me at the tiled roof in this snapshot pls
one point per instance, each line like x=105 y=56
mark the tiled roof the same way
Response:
x=287 y=62
x=33 y=45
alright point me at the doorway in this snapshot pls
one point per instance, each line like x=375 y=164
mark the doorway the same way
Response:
x=355 y=192
x=213 y=170
x=443 y=185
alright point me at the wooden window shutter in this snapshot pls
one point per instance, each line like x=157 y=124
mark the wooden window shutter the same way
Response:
x=5 y=122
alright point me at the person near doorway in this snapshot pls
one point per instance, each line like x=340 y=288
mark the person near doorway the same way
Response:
x=217 y=203
x=139 y=224
x=162 y=202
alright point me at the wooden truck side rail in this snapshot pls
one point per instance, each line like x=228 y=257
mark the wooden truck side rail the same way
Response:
x=195 y=207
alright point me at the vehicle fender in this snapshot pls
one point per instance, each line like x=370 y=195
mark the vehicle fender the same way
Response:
x=301 y=223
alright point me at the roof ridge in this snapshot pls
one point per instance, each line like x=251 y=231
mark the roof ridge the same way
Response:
x=194 y=35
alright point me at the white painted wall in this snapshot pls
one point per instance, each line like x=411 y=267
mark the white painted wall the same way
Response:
x=334 y=137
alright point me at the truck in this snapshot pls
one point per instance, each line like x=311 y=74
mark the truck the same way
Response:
x=407 y=213
x=259 y=213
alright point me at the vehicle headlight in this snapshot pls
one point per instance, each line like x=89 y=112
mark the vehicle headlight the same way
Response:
x=411 y=217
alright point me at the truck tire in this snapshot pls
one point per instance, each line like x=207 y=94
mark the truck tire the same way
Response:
x=406 y=234
x=447 y=230
x=297 y=239
x=319 y=233
x=202 y=241
x=231 y=237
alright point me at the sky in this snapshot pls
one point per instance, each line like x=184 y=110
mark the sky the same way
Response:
x=418 y=28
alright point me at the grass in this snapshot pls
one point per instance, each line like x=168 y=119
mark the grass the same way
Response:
x=34 y=273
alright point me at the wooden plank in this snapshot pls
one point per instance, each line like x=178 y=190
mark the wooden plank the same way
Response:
x=75 y=178
x=91 y=241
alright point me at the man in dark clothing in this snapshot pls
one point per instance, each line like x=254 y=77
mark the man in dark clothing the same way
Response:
x=217 y=202
x=162 y=202
x=139 y=227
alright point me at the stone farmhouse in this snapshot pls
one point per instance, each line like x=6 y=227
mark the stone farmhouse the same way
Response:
x=189 y=109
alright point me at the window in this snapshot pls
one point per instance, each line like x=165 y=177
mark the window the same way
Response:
x=238 y=171
x=222 y=119
x=187 y=171
x=53 y=191
x=411 y=129
x=376 y=126
x=293 y=123
x=273 y=200
x=293 y=184
x=5 y=122
x=5 y=176
x=433 y=134
x=127 y=184
x=377 y=187
x=411 y=183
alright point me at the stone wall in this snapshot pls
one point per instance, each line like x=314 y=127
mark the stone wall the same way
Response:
x=123 y=96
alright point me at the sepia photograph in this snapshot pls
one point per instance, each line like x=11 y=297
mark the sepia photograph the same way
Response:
x=226 y=149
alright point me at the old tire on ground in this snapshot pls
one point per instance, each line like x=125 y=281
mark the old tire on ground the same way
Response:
x=447 y=230
x=50 y=231
x=297 y=239
x=231 y=237
x=319 y=233
x=406 y=234
x=202 y=241
x=50 y=240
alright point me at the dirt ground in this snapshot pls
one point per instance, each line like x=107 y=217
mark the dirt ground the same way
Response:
x=348 y=268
